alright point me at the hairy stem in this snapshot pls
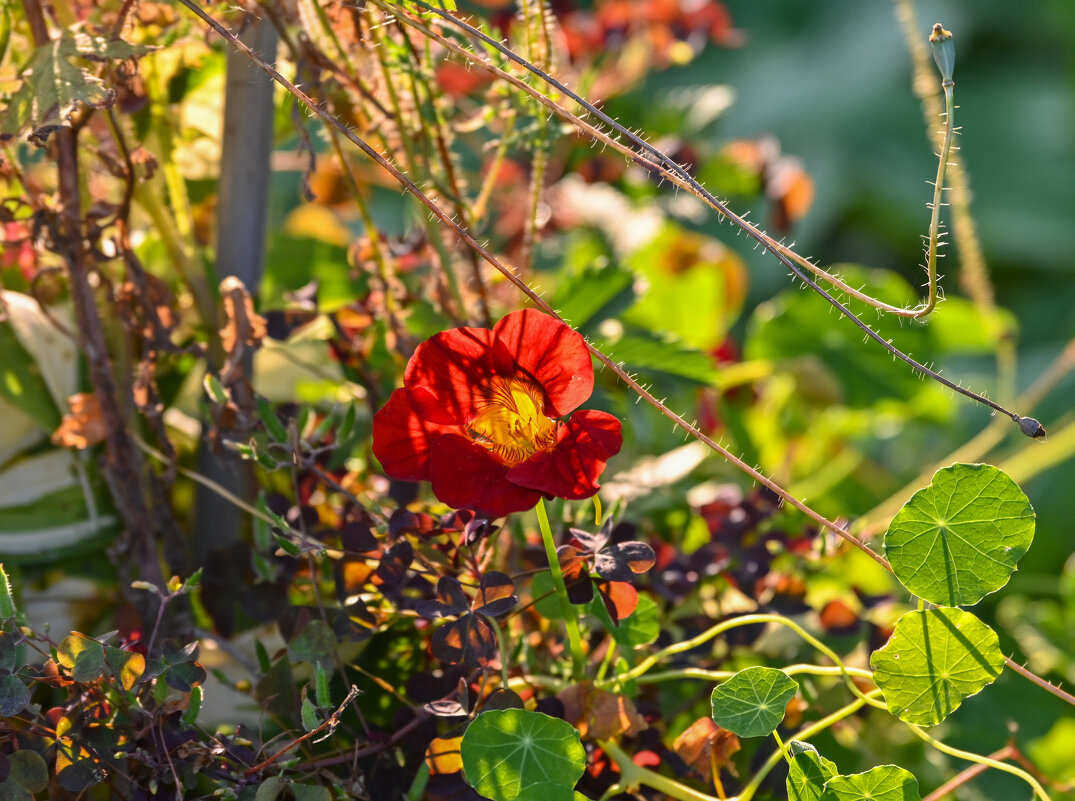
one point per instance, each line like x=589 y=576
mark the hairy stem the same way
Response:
x=571 y=621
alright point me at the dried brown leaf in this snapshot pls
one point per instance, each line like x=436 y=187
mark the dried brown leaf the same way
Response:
x=84 y=425
x=706 y=747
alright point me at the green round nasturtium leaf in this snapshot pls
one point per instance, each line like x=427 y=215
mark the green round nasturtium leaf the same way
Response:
x=507 y=751
x=807 y=772
x=933 y=660
x=883 y=783
x=751 y=703
x=547 y=791
x=960 y=538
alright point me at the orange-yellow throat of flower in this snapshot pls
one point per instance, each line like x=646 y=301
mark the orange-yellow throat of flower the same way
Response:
x=511 y=420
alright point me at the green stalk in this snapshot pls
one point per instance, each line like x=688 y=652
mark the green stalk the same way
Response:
x=981 y=760
x=566 y=608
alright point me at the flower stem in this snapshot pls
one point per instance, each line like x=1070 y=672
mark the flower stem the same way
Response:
x=632 y=775
x=568 y=611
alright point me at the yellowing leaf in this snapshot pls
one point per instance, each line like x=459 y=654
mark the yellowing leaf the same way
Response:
x=443 y=755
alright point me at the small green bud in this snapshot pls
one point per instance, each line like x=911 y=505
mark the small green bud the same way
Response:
x=944 y=50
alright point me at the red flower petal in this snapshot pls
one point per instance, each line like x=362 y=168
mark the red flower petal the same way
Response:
x=444 y=371
x=553 y=354
x=401 y=439
x=570 y=469
x=467 y=476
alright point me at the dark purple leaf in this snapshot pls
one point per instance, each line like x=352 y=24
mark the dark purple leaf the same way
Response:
x=503 y=699
x=358 y=537
x=450 y=601
x=585 y=541
x=404 y=521
x=496 y=596
x=394 y=564
x=624 y=561
x=469 y=641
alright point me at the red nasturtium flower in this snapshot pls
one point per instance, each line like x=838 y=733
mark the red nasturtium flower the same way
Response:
x=481 y=415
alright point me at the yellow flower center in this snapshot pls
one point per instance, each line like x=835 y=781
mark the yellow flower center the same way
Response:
x=511 y=420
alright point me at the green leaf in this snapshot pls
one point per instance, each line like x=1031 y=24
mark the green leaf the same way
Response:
x=185 y=676
x=270 y=789
x=190 y=716
x=695 y=286
x=548 y=791
x=960 y=538
x=751 y=703
x=641 y=627
x=594 y=294
x=127 y=666
x=933 y=660
x=883 y=783
x=214 y=389
x=808 y=772
x=14 y=696
x=28 y=770
x=663 y=355
x=544 y=592
x=9 y=651
x=21 y=382
x=309 y=715
x=321 y=690
x=316 y=643
x=797 y=325
x=508 y=750
x=270 y=420
x=311 y=792
x=7 y=603
x=5 y=30
x=84 y=657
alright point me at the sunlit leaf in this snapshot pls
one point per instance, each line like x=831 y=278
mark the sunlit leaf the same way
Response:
x=883 y=783
x=443 y=755
x=83 y=656
x=808 y=772
x=507 y=751
x=53 y=87
x=960 y=538
x=468 y=641
x=128 y=666
x=76 y=767
x=593 y=294
x=751 y=703
x=934 y=659
x=705 y=746
x=796 y=325
x=660 y=355
x=21 y=381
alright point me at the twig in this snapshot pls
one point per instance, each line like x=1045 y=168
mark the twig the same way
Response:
x=966 y=775
x=332 y=721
